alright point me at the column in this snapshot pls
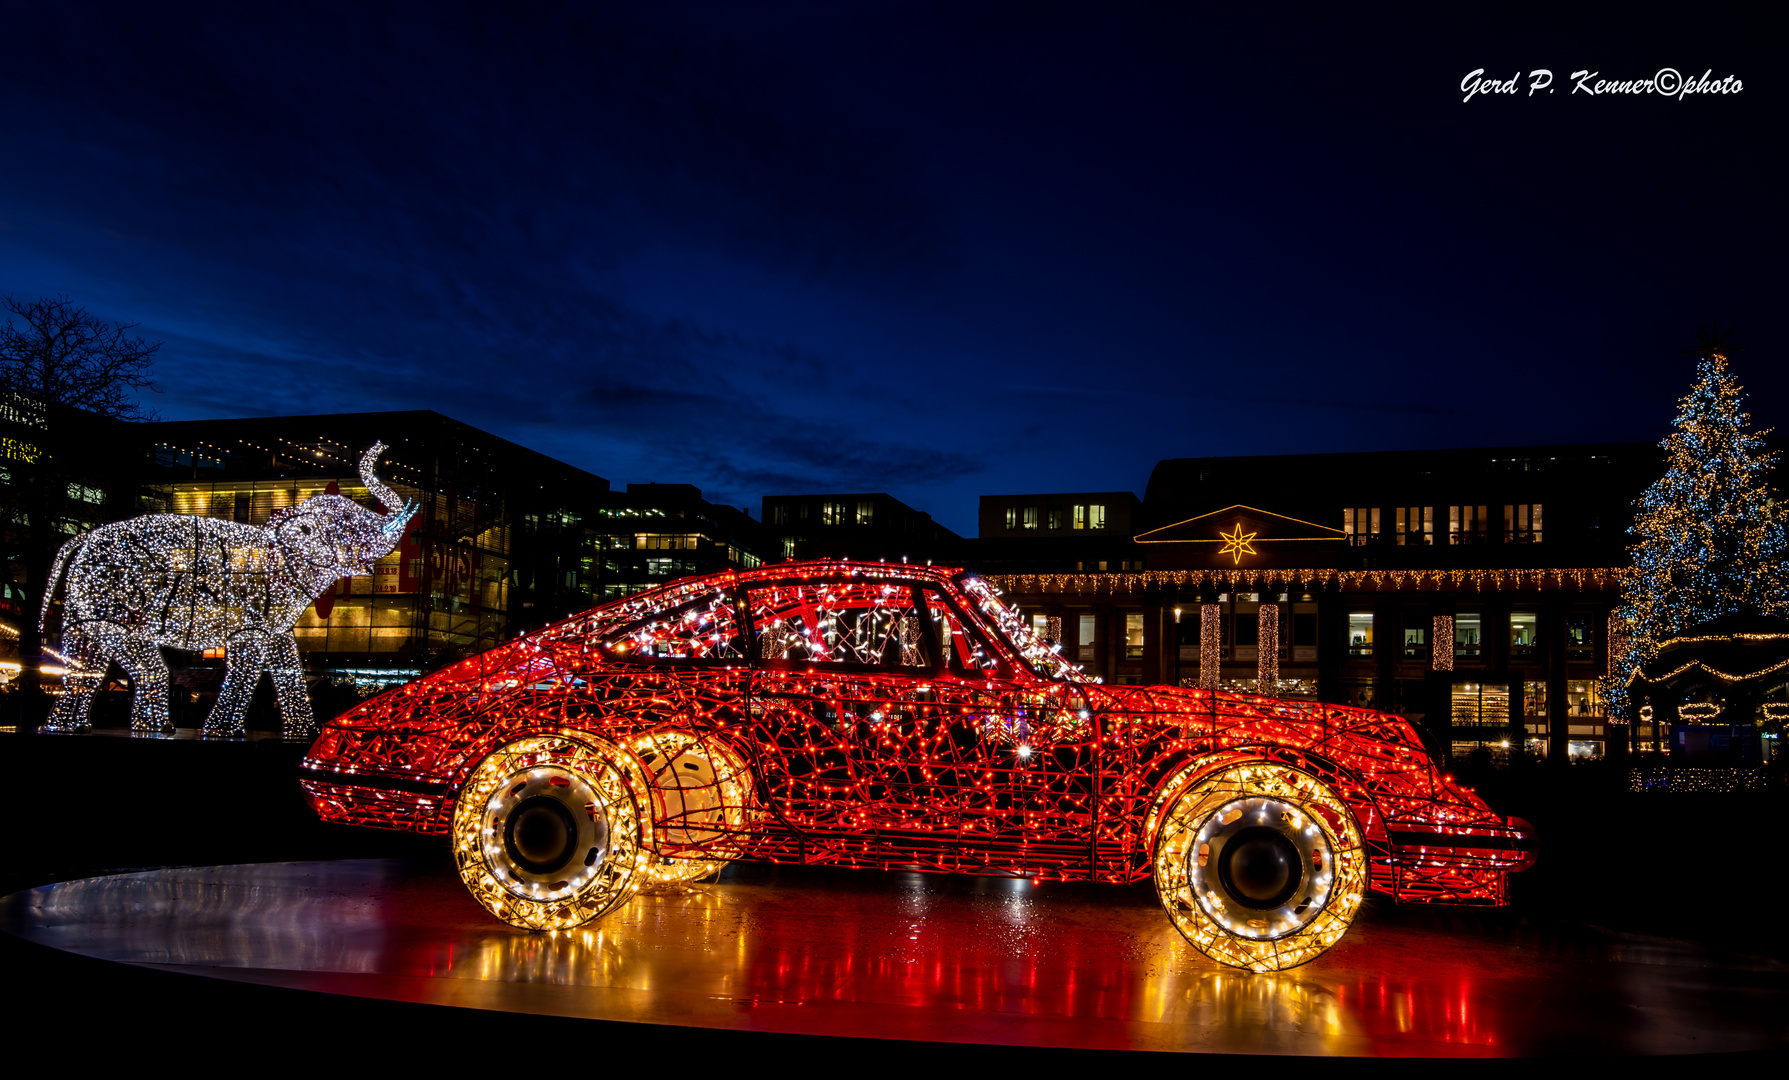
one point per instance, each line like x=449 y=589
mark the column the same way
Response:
x=1558 y=719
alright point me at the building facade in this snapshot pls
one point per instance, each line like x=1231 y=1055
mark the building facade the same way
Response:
x=871 y=526
x=505 y=540
x=1470 y=590
x=652 y=533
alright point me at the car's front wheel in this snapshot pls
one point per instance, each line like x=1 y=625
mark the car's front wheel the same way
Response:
x=546 y=834
x=1260 y=865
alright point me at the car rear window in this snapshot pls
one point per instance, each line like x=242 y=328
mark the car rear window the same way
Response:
x=706 y=629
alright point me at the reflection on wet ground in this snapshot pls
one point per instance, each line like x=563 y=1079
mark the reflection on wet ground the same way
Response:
x=920 y=957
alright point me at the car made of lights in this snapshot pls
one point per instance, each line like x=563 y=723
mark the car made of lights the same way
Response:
x=897 y=717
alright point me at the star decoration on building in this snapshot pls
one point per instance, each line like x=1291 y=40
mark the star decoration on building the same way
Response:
x=1237 y=544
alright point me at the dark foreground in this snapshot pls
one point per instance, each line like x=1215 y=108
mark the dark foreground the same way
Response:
x=817 y=952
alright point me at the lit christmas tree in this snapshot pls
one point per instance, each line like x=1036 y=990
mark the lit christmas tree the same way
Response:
x=1710 y=534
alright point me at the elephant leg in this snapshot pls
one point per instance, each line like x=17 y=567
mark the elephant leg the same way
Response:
x=142 y=661
x=244 y=658
x=83 y=670
x=296 y=719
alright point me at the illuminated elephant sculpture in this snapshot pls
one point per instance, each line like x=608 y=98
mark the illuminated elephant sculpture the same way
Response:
x=194 y=583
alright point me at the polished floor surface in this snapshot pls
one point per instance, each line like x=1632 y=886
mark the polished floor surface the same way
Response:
x=906 y=956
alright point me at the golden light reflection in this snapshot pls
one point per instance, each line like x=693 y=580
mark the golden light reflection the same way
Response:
x=862 y=955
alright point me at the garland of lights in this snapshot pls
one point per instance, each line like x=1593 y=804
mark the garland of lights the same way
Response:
x=1211 y=622
x=1441 y=650
x=1247 y=579
x=812 y=717
x=1267 y=648
x=196 y=583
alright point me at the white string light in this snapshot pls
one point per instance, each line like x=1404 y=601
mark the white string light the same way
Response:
x=196 y=583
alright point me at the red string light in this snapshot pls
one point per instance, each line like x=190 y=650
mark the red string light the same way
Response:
x=880 y=716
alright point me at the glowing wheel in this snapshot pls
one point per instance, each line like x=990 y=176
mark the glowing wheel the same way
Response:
x=546 y=835
x=701 y=793
x=1259 y=865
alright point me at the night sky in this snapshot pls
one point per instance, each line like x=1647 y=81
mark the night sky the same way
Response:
x=939 y=250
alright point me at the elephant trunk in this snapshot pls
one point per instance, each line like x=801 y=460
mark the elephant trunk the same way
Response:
x=398 y=511
x=373 y=484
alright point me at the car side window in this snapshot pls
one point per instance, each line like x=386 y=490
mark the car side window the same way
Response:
x=858 y=623
x=704 y=629
x=961 y=646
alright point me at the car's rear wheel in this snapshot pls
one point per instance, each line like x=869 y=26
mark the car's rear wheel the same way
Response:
x=1260 y=865
x=546 y=834
x=703 y=804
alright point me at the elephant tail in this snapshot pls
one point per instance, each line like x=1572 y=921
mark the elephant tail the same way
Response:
x=63 y=557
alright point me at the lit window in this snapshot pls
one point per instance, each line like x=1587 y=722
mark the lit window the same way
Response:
x=1466 y=524
x=1012 y=517
x=832 y=513
x=1030 y=518
x=1522 y=626
x=866 y=511
x=1522 y=523
x=1360 y=633
x=1416 y=637
x=1416 y=525
x=1361 y=524
x=1133 y=635
x=1055 y=518
x=1088 y=627
x=1466 y=635
x=1096 y=516
x=1080 y=515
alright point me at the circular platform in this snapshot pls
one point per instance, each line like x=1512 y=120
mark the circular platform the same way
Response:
x=906 y=956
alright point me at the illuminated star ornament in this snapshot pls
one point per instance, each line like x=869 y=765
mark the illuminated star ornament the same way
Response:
x=1236 y=544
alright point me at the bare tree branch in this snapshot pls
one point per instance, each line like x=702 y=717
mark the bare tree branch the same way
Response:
x=58 y=353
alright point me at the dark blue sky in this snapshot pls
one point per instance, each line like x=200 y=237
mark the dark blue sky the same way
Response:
x=935 y=249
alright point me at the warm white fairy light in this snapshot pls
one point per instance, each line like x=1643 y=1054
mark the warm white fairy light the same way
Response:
x=1267 y=648
x=1193 y=809
x=1441 y=648
x=1211 y=619
x=196 y=583
x=1041 y=654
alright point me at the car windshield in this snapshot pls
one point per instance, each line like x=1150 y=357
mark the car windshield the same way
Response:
x=1006 y=621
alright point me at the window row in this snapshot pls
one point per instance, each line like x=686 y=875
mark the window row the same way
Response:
x=1466 y=524
x=1078 y=516
x=1469 y=640
x=829 y=511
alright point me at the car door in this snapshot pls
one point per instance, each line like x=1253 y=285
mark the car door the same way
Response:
x=672 y=686
x=1016 y=754
x=840 y=668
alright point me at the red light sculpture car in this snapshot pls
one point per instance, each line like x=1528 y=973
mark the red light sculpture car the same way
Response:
x=874 y=715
